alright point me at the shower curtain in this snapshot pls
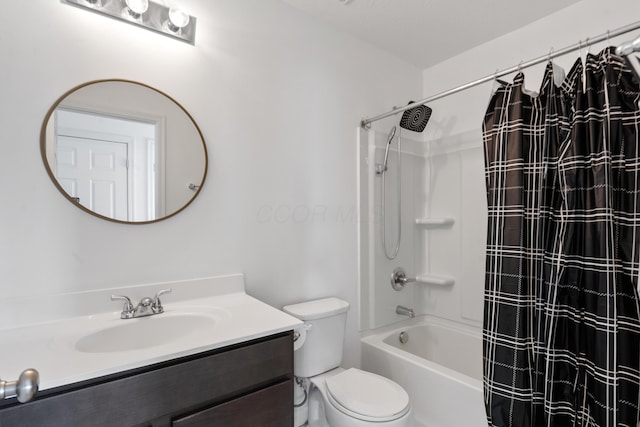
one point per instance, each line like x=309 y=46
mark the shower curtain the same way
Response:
x=562 y=316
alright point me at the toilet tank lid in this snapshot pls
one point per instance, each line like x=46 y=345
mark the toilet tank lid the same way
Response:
x=317 y=309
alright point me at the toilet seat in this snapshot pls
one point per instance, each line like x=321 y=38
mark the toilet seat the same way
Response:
x=367 y=396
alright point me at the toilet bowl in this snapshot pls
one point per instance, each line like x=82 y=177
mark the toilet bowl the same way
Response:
x=333 y=396
x=356 y=398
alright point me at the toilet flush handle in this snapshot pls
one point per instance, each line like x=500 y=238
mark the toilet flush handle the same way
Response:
x=300 y=336
x=297 y=334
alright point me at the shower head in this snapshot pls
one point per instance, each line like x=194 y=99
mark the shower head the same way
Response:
x=392 y=133
x=416 y=118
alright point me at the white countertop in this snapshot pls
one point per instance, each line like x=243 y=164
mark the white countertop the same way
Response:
x=50 y=346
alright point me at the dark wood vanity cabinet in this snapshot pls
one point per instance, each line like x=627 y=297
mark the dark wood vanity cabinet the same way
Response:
x=244 y=385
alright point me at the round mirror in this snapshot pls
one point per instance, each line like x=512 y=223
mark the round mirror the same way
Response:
x=123 y=151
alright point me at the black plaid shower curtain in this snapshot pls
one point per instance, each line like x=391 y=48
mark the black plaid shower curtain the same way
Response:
x=561 y=311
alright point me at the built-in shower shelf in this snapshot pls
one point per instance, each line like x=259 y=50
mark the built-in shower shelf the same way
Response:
x=435 y=222
x=430 y=279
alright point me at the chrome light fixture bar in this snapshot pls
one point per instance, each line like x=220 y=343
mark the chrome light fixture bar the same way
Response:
x=171 y=22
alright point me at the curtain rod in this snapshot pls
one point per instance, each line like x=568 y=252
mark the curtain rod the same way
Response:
x=366 y=123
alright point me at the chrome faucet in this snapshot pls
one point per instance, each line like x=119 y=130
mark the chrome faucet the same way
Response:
x=399 y=279
x=146 y=307
x=404 y=311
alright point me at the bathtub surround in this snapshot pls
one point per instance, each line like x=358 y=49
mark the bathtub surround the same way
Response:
x=378 y=298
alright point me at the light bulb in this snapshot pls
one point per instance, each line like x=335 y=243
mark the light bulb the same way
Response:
x=178 y=18
x=177 y=21
x=137 y=7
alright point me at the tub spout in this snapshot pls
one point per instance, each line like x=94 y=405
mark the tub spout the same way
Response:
x=404 y=311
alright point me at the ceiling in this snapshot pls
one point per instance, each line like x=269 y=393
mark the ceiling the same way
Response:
x=426 y=32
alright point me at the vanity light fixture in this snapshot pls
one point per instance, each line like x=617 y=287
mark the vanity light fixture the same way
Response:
x=171 y=22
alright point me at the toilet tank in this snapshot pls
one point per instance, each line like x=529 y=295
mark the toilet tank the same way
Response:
x=325 y=321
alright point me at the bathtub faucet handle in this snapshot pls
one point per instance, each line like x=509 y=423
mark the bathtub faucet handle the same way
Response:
x=399 y=279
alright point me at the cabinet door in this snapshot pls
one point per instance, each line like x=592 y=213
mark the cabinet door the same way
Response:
x=269 y=407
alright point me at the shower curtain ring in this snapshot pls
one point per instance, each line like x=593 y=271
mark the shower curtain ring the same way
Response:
x=550 y=54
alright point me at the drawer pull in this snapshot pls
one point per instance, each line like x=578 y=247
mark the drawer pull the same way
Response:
x=25 y=388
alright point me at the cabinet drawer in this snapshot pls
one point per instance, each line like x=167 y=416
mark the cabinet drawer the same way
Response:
x=162 y=391
x=269 y=407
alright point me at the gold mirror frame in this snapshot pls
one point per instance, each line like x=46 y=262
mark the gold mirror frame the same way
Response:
x=44 y=150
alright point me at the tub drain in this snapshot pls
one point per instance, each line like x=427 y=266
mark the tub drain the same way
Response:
x=403 y=337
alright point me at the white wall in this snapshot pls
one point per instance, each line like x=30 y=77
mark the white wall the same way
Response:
x=455 y=176
x=278 y=98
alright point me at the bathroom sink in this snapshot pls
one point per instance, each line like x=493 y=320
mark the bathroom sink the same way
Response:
x=145 y=332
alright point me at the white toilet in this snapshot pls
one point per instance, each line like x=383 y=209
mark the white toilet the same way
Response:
x=330 y=396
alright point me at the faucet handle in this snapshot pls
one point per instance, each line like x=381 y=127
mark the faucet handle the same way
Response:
x=127 y=309
x=157 y=304
x=399 y=279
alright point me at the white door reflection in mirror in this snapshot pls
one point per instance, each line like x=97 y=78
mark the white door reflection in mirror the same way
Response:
x=94 y=173
x=109 y=164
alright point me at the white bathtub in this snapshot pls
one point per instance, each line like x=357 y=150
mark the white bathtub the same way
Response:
x=440 y=366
